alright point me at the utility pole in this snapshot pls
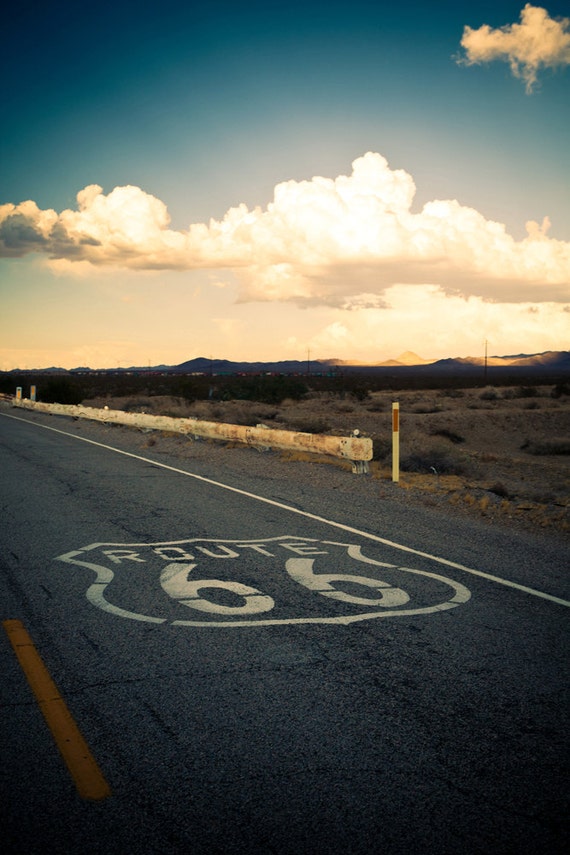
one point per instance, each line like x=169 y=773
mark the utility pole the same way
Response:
x=485 y=373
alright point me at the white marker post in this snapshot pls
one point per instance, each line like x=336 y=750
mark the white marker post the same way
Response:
x=32 y=393
x=395 y=441
x=18 y=393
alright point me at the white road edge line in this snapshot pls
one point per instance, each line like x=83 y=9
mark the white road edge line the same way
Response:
x=309 y=515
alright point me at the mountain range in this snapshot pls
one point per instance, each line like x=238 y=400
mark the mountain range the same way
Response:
x=552 y=361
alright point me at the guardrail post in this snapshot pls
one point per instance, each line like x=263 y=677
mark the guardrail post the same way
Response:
x=395 y=442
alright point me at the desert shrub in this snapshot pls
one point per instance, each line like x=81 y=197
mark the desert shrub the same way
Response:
x=137 y=405
x=426 y=409
x=377 y=407
x=526 y=392
x=265 y=414
x=267 y=390
x=241 y=416
x=60 y=390
x=489 y=457
x=436 y=460
x=452 y=393
x=208 y=411
x=449 y=434
x=489 y=395
x=500 y=490
x=7 y=385
x=187 y=388
x=360 y=393
x=381 y=448
x=245 y=414
x=549 y=446
x=560 y=389
x=308 y=425
x=532 y=405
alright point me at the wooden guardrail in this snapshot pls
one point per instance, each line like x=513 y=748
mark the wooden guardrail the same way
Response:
x=355 y=448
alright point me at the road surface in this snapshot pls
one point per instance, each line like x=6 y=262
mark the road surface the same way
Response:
x=260 y=664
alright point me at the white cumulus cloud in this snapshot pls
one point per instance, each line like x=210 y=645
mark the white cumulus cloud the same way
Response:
x=339 y=242
x=539 y=41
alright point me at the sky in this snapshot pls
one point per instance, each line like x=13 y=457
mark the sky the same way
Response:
x=269 y=181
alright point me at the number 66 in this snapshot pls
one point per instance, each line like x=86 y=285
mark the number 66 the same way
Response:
x=301 y=570
x=174 y=580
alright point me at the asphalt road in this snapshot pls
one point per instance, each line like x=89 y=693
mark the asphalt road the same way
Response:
x=259 y=665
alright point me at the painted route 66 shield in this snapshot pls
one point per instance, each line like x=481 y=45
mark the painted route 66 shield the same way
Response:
x=279 y=580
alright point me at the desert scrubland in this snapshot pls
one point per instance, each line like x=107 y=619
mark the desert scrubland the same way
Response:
x=501 y=453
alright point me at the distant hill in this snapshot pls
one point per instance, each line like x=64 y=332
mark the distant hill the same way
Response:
x=408 y=358
x=550 y=360
x=555 y=362
x=558 y=360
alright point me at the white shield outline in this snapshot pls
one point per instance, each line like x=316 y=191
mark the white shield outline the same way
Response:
x=95 y=593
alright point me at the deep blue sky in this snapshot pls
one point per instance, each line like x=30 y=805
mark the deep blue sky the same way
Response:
x=225 y=99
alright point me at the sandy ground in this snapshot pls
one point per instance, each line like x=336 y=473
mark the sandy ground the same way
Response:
x=503 y=453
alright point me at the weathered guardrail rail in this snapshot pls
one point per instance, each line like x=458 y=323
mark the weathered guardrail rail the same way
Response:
x=357 y=449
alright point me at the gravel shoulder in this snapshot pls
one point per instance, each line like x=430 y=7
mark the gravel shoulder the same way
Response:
x=486 y=454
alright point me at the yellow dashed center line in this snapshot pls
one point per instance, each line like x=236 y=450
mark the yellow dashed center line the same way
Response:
x=82 y=765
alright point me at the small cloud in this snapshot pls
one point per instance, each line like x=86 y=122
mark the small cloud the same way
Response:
x=536 y=231
x=364 y=301
x=227 y=326
x=538 y=42
x=333 y=337
x=217 y=282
